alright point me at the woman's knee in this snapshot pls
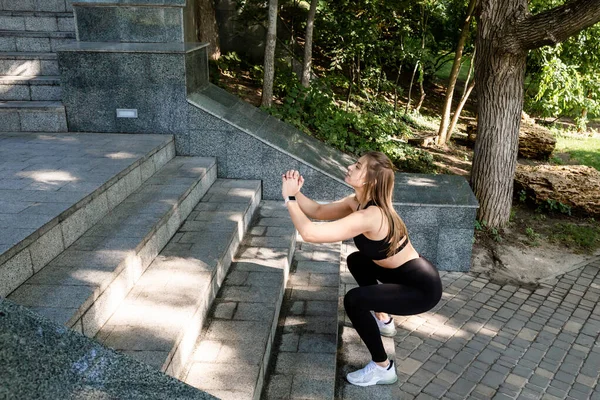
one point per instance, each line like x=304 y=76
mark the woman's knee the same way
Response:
x=355 y=261
x=352 y=299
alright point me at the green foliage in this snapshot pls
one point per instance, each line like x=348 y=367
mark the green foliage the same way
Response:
x=314 y=110
x=522 y=196
x=585 y=150
x=533 y=236
x=565 y=80
x=582 y=237
x=552 y=206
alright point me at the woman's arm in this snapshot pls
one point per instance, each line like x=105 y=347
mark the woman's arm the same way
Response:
x=329 y=232
x=342 y=229
x=312 y=209
x=330 y=211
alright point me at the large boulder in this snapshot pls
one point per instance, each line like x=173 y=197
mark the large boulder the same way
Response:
x=576 y=186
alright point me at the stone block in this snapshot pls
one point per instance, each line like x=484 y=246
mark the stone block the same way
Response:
x=300 y=363
x=255 y=312
x=33 y=44
x=312 y=387
x=130 y=24
x=65 y=24
x=49 y=67
x=45 y=24
x=46 y=248
x=46 y=93
x=454 y=249
x=10 y=23
x=14 y=272
x=7 y=43
x=50 y=5
x=10 y=121
x=318 y=343
x=38 y=121
x=14 y=92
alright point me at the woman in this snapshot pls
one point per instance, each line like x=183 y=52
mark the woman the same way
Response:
x=410 y=284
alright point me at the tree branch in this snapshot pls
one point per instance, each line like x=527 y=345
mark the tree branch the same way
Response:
x=552 y=26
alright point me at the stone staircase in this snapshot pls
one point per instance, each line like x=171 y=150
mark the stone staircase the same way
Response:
x=30 y=91
x=167 y=264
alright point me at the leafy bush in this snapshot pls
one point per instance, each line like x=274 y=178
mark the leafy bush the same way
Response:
x=314 y=110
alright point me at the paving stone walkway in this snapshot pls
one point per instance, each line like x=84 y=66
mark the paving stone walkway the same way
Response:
x=486 y=341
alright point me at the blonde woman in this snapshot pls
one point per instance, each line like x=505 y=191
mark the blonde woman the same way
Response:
x=392 y=277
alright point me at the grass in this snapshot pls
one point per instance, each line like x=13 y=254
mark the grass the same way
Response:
x=583 y=237
x=444 y=73
x=586 y=150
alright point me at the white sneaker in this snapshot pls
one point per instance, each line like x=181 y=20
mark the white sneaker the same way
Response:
x=373 y=374
x=386 y=329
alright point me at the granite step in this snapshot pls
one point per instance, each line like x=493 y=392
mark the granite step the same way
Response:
x=84 y=285
x=37 y=21
x=13 y=63
x=304 y=365
x=30 y=88
x=231 y=357
x=34 y=41
x=32 y=116
x=57 y=186
x=352 y=352
x=161 y=318
x=58 y=6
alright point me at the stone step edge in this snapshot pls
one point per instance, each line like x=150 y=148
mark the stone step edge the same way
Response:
x=45 y=80
x=264 y=363
x=180 y=354
x=27 y=55
x=31 y=106
x=46 y=14
x=38 y=34
x=128 y=272
x=154 y=160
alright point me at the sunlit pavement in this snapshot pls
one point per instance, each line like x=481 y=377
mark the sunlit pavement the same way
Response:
x=486 y=341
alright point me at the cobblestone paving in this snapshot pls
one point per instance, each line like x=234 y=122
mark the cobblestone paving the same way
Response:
x=486 y=341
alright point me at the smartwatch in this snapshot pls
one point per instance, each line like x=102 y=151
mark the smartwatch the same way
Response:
x=290 y=198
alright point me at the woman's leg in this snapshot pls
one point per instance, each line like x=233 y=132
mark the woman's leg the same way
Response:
x=363 y=269
x=422 y=293
x=386 y=297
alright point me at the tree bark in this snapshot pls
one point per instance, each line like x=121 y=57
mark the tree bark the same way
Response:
x=506 y=31
x=499 y=76
x=444 y=131
x=310 y=23
x=269 y=65
x=208 y=31
x=421 y=88
x=529 y=32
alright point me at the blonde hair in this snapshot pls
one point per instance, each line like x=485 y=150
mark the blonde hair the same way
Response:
x=379 y=188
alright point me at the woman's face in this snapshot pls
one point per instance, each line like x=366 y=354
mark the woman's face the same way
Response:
x=357 y=172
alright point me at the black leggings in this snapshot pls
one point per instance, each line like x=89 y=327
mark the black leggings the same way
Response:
x=412 y=288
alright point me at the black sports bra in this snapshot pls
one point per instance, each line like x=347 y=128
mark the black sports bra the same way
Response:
x=375 y=249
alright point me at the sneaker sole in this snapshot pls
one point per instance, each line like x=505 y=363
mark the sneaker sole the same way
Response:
x=388 y=334
x=379 y=382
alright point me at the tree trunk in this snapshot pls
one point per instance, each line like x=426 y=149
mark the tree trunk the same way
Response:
x=310 y=23
x=412 y=79
x=459 y=108
x=506 y=31
x=454 y=72
x=269 y=66
x=499 y=76
x=208 y=31
x=421 y=88
x=396 y=89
